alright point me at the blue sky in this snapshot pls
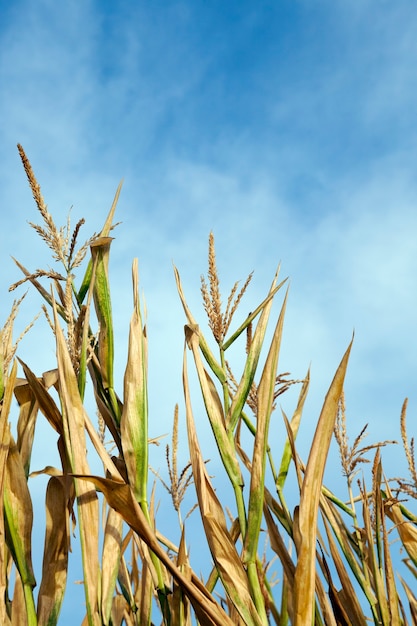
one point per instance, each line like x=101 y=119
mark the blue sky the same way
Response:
x=288 y=128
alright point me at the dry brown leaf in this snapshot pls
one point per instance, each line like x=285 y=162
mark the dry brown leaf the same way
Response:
x=391 y=590
x=180 y=609
x=305 y=576
x=45 y=401
x=120 y=611
x=338 y=607
x=110 y=561
x=19 y=613
x=146 y=586
x=28 y=411
x=412 y=600
x=73 y=414
x=38 y=286
x=351 y=602
x=55 y=556
x=406 y=530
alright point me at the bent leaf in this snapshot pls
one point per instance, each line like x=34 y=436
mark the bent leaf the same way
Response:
x=121 y=498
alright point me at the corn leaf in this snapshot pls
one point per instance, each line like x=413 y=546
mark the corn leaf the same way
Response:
x=372 y=564
x=44 y=399
x=110 y=562
x=55 y=556
x=73 y=414
x=304 y=580
x=18 y=513
x=332 y=517
x=412 y=600
x=180 y=609
x=100 y=251
x=349 y=593
x=254 y=314
x=45 y=295
x=121 y=498
x=85 y=285
x=221 y=545
x=134 y=419
x=240 y=397
x=214 y=410
x=145 y=585
x=20 y=615
x=294 y=423
x=266 y=390
x=406 y=530
x=215 y=366
x=4 y=451
x=28 y=411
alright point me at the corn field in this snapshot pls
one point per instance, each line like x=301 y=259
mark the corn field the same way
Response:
x=328 y=561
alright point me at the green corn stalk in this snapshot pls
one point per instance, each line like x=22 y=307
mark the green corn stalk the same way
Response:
x=100 y=251
x=134 y=418
x=99 y=260
x=134 y=421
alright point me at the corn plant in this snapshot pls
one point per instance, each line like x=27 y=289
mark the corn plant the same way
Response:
x=332 y=559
